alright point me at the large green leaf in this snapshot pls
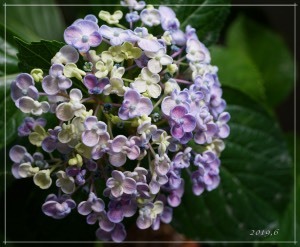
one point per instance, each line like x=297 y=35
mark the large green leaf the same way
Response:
x=207 y=19
x=256 y=178
x=36 y=54
x=33 y=23
x=238 y=71
x=268 y=52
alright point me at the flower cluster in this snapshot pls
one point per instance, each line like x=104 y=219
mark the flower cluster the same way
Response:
x=128 y=115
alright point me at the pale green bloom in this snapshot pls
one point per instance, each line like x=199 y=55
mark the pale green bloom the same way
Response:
x=71 y=70
x=37 y=74
x=26 y=170
x=71 y=133
x=147 y=82
x=65 y=182
x=159 y=59
x=111 y=19
x=116 y=86
x=104 y=68
x=37 y=136
x=172 y=68
x=117 y=72
x=167 y=37
x=130 y=51
x=76 y=161
x=170 y=86
x=114 y=53
x=217 y=146
x=84 y=150
x=163 y=141
x=66 y=111
x=42 y=179
x=201 y=69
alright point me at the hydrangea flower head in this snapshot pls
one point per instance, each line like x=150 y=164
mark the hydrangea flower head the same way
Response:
x=129 y=108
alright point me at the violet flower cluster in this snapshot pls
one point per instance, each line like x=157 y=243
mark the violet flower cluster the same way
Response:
x=129 y=117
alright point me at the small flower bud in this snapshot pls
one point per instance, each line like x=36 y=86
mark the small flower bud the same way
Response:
x=37 y=74
x=71 y=70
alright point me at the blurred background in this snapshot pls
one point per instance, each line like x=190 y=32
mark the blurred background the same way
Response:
x=253 y=46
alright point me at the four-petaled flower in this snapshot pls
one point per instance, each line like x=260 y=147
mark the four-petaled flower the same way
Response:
x=119 y=184
x=134 y=105
x=182 y=123
x=56 y=81
x=83 y=35
x=147 y=82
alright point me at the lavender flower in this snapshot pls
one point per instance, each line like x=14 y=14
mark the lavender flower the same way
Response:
x=29 y=125
x=83 y=35
x=23 y=86
x=93 y=204
x=181 y=122
x=176 y=98
x=134 y=105
x=117 y=36
x=132 y=17
x=207 y=176
x=95 y=85
x=122 y=147
x=118 y=209
x=58 y=207
x=120 y=184
x=94 y=129
x=56 y=81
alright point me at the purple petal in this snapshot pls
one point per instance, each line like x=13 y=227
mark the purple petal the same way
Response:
x=167 y=214
x=174 y=200
x=115 y=215
x=189 y=123
x=129 y=186
x=119 y=233
x=90 y=81
x=84 y=208
x=117 y=175
x=95 y=39
x=143 y=222
x=118 y=159
x=87 y=27
x=50 y=85
x=49 y=144
x=178 y=112
x=134 y=152
x=132 y=96
x=90 y=138
x=72 y=34
x=177 y=131
x=17 y=153
x=24 y=81
x=118 y=143
x=145 y=106
x=98 y=205
x=106 y=224
x=32 y=92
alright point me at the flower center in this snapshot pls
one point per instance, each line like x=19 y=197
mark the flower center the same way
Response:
x=85 y=38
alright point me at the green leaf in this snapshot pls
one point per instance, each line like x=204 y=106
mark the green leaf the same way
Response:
x=236 y=70
x=36 y=54
x=256 y=179
x=14 y=118
x=33 y=23
x=268 y=52
x=207 y=19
